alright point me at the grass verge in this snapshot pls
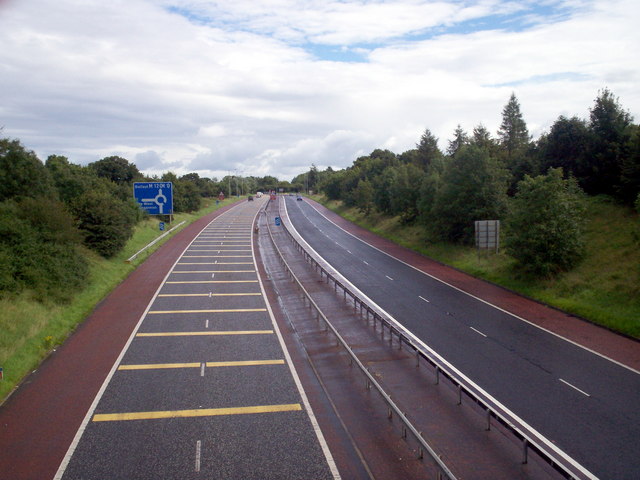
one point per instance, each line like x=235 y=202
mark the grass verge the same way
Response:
x=30 y=328
x=604 y=288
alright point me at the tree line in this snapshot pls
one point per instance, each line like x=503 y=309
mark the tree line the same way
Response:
x=51 y=211
x=535 y=186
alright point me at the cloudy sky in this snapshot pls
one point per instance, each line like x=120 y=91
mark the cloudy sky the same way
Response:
x=268 y=87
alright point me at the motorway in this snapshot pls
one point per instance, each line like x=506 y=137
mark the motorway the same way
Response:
x=204 y=387
x=584 y=403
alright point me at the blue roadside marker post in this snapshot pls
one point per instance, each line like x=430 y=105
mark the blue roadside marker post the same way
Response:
x=277 y=221
x=161 y=225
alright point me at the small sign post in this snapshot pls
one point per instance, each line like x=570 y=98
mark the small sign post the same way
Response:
x=161 y=225
x=277 y=221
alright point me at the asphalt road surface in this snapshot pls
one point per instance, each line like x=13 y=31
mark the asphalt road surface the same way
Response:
x=204 y=388
x=584 y=403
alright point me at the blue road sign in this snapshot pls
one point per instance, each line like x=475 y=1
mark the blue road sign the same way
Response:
x=156 y=198
x=161 y=226
x=277 y=221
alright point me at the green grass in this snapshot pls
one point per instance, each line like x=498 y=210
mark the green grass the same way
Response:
x=604 y=288
x=31 y=328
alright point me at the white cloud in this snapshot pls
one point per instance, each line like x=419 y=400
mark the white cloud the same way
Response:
x=225 y=86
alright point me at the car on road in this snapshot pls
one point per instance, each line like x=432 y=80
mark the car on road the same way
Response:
x=250 y=199
x=299 y=199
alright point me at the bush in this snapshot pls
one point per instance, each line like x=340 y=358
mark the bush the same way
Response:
x=39 y=250
x=545 y=226
x=105 y=221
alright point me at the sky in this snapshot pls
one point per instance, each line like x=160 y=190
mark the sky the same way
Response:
x=270 y=87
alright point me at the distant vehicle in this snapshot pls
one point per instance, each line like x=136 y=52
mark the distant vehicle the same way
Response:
x=259 y=194
x=299 y=199
x=250 y=199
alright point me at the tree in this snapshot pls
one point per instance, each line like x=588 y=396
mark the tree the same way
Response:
x=405 y=191
x=514 y=141
x=482 y=138
x=513 y=133
x=566 y=146
x=545 y=225
x=431 y=183
x=473 y=187
x=22 y=174
x=427 y=149
x=630 y=169
x=364 y=196
x=609 y=125
x=460 y=139
x=116 y=169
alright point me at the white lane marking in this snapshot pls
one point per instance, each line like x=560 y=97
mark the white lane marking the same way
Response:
x=296 y=378
x=427 y=348
x=198 y=451
x=422 y=298
x=213 y=275
x=366 y=263
x=206 y=324
x=348 y=251
x=574 y=387
x=620 y=364
x=478 y=331
x=389 y=277
x=202 y=369
x=98 y=397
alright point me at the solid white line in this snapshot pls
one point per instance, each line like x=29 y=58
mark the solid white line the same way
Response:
x=314 y=422
x=477 y=298
x=478 y=331
x=422 y=298
x=98 y=397
x=574 y=387
x=548 y=444
x=198 y=448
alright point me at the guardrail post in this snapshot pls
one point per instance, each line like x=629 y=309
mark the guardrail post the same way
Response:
x=488 y=419
x=437 y=375
x=459 y=394
x=525 y=451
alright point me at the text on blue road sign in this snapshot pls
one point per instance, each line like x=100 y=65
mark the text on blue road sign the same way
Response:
x=156 y=198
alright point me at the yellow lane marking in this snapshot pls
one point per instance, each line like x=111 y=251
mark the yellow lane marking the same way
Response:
x=217 y=263
x=203 y=412
x=207 y=332
x=242 y=363
x=209 y=294
x=214 y=271
x=226 y=310
x=159 y=366
x=216 y=256
x=239 y=363
x=218 y=281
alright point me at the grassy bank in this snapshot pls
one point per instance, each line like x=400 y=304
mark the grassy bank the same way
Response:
x=30 y=328
x=604 y=288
